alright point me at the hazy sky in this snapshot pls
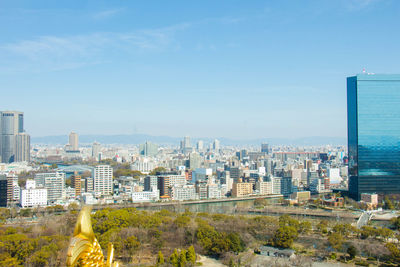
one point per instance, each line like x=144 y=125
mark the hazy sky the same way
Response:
x=237 y=69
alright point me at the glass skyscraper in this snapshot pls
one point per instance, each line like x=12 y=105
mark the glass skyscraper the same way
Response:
x=373 y=117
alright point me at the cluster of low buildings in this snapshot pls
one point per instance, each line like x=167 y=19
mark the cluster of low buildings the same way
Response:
x=185 y=173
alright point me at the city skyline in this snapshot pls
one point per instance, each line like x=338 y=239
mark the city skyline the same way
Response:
x=236 y=70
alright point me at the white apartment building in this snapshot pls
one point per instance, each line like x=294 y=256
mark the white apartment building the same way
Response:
x=264 y=188
x=185 y=192
x=54 y=182
x=32 y=196
x=102 y=181
x=177 y=180
x=146 y=196
x=213 y=191
x=143 y=165
x=276 y=185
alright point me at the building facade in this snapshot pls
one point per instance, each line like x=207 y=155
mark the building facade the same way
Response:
x=102 y=181
x=32 y=196
x=373 y=116
x=54 y=182
x=12 y=137
x=74 y=141
x=148 y=149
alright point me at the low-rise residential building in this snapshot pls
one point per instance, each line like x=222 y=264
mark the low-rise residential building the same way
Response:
x=184 y=192
x=146 y=196
x=370 y=199
x=242 y=189
x=213 y=191
x=264 y=188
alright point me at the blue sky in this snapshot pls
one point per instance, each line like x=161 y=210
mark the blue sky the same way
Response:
x=236 y=69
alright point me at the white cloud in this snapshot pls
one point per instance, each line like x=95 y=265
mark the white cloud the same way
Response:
x=47 y=53
x=104 y=14
x=359 y=4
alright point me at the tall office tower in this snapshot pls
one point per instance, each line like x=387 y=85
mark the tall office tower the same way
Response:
x=3 y=190
x=96 y=149
x=102 y=181
x=148 y=149
x=264 y=148
x=185 y=145
x=74 y=141
x=216 y=145
x=200 y=145
x=76 y=183
x=23 y=147
x=373 y=120
x=54 y=182
x=186 y=142
x=12 y=124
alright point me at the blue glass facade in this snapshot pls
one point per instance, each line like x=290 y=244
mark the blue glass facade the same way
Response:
x=373 y=108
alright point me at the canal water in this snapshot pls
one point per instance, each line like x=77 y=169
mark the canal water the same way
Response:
x=230 y=208
x=225 y=207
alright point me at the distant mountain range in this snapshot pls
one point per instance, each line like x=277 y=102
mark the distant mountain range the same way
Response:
x=168 y=140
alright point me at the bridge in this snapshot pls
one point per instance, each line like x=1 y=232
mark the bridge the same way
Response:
x=364 y=219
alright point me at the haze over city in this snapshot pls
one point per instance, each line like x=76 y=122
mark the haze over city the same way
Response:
x=204 y=69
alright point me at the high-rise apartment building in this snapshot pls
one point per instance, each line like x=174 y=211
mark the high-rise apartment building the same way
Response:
x=14 y=143
x=373 y=116
x=3 y=190
x=54 y=182
x=74 y=141
x=150 y=182
x=102 y=182
x=76 y=183
x=12 y=185
x=163 y=184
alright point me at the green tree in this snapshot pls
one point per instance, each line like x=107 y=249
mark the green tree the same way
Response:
x=191 y=255
x=388 y=203
x=385 y=233
x=335 y=239
x=160 y=258
x=25 y=212
x=367 y=231
x=322 y=226
x=174 y=258
x=286 y=220
x=132 y=244
x=182 y=221
x=396 y=222
x=305 y=227
x=182 y=258
x=284 y=237
x=394 y=251
x=158 y=169
x=352 y=251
